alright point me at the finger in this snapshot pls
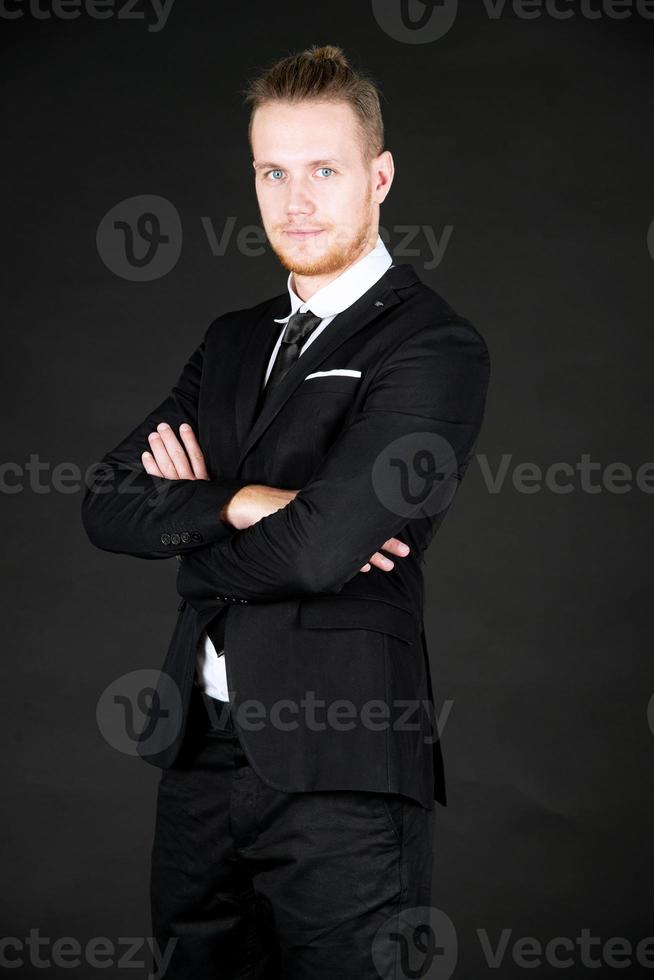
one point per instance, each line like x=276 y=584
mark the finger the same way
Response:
x=396 y=547
x=149 y=464
x=176 y=452
x=365 y=568
x=381 y=561
x=162 y=459
x=193 y=451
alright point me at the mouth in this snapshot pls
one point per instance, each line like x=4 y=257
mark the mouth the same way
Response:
x=302 y=234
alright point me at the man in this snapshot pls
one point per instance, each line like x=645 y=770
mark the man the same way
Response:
x=299 y=469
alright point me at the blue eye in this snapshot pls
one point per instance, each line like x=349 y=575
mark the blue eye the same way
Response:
x=274 y=172
x=326 y=168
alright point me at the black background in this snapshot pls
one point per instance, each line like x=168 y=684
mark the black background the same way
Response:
x=532 y=139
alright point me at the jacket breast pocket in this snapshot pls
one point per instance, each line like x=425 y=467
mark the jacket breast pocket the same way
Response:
x=341 y=384
x=328 y=402
x=349 y=612
x=307 y=425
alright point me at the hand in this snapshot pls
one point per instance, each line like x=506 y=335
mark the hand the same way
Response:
x=255 y=501
x=171 y=460
x=396 y=547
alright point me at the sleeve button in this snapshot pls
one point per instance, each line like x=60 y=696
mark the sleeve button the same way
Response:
x=185 y=536
x=165 y=539
x=175 y=539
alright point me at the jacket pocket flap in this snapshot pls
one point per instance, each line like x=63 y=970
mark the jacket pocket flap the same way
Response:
x=349 y=612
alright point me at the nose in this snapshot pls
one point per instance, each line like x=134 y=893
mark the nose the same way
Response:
x=299 y=199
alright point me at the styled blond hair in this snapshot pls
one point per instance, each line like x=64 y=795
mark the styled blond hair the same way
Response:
x=322 y=74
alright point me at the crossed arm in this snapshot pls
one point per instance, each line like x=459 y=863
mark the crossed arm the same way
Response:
x=171 y=458
x=429 y=392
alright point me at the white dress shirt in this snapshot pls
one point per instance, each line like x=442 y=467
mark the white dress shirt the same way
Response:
x=326 y=303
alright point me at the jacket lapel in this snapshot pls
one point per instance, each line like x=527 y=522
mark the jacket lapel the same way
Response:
x=372 y=304
x=252 y=369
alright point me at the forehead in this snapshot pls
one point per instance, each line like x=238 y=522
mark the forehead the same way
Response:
x=304 y=132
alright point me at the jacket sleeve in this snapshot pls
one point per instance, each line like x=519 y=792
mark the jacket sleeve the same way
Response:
x=415 y=430
x=126 y=510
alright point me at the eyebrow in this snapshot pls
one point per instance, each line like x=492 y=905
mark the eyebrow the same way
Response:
x=267 y=165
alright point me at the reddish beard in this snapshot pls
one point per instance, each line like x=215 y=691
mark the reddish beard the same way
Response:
x=339 y=256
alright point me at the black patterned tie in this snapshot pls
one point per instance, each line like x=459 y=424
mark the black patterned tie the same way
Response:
x=298 y=328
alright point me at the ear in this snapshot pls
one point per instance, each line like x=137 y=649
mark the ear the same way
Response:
x=383 y=170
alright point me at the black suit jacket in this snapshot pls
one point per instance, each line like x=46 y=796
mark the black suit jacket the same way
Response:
x=327 y=666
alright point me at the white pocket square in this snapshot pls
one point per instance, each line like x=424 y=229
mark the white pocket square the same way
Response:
x=343 y=372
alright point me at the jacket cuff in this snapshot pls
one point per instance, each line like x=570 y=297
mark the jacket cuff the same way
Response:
x=198 y=524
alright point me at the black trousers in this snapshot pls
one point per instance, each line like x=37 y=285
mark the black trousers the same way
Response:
x=253 y=882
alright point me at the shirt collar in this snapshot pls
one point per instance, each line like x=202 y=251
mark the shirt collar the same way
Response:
x=341 y=292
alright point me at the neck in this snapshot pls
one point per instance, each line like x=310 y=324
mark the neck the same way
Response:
x=306 y=286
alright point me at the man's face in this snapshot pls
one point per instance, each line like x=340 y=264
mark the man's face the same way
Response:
x=317 y=196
